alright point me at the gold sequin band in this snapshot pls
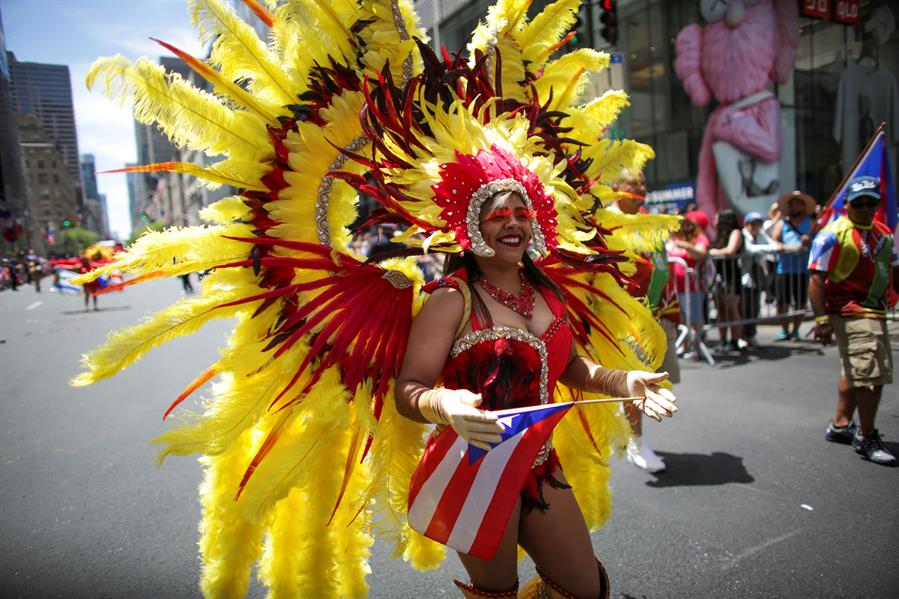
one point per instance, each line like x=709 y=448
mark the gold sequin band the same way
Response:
x=400 y=23
x=323 y=198
x=469 y=340
x=473 y=216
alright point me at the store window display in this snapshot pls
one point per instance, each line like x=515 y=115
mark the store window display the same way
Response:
x=867 y=93
x=733 y=59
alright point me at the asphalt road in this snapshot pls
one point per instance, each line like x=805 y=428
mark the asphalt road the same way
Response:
x=754 y=504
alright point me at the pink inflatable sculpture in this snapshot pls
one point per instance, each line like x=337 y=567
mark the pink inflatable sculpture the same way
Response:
x=745 y=45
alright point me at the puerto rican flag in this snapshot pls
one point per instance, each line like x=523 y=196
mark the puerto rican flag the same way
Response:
x=462 y=496
x=873 y=162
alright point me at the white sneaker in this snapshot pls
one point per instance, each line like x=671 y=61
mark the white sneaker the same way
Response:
x=641 y=456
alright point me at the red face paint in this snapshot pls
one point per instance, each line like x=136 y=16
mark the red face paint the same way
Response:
x=502 y=213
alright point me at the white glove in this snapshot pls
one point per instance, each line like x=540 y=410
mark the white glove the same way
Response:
x=458 y=409
x=657 y=401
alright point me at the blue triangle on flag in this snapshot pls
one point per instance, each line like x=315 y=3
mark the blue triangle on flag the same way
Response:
x=515 y=423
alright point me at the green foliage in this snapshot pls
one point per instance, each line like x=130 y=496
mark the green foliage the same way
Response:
x=143 y=229
x=76 y=239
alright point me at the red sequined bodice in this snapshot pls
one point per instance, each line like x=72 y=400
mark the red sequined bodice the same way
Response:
x=510 y=367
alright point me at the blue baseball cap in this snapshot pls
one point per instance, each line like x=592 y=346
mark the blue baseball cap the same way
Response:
x=752 y=217
x=863 y=186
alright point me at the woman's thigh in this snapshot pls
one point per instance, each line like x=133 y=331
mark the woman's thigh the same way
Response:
x=499 y=573
x=559 y=543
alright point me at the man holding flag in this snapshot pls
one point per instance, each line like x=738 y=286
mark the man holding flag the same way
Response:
x=853 y=265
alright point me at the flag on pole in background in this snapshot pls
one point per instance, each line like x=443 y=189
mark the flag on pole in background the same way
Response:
x=873 y=162
x=462 y=496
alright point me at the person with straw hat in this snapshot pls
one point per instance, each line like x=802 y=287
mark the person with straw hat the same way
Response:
x=794 y=231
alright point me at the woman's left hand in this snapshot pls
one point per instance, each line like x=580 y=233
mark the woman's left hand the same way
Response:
x=657 y=401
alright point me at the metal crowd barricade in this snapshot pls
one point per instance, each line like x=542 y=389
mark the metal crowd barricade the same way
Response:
x=685 y=331
x=762 y=291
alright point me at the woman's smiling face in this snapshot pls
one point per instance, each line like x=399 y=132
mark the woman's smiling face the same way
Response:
x=506 y=226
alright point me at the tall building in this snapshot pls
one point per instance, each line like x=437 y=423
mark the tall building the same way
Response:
x=136 y=195
x=45 y=90
x=15 y=218
x=88 y=176
x=55 y=202
x=96 y=218
x=160 y=195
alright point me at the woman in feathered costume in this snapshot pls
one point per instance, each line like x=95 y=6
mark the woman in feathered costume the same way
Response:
x=303 y=417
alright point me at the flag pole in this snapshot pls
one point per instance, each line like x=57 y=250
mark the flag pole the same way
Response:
x=855 y=164
x=501 y=413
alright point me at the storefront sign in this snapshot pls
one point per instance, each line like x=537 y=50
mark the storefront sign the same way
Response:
x=847 y=11
x=675 y=197
x=816 y=8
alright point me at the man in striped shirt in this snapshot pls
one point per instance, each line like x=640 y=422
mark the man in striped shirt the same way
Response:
x=853 y=264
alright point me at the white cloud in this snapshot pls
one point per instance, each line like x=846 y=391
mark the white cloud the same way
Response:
x=105 y=130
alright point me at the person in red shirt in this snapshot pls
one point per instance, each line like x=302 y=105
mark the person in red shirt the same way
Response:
x=692 y=246
x=853 y=264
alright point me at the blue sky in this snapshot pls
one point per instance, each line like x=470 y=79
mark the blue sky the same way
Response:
x=74 y=33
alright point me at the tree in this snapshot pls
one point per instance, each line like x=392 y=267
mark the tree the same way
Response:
x=76 y=239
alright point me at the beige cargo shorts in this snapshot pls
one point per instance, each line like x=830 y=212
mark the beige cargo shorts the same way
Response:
x=865 y=354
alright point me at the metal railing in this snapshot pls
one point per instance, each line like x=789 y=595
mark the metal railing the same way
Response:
x=752 y=289
x=689 y=335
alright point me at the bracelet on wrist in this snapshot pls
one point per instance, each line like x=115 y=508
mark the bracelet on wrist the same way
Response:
x=822 y=319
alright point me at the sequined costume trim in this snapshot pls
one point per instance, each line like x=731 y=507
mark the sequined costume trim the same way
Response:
x=473 y=216
x=473 y=338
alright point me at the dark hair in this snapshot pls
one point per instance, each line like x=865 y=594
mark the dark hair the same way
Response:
x=727 y=222
x=466 y=260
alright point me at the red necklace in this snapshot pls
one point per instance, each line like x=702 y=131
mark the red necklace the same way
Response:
x=523 y=303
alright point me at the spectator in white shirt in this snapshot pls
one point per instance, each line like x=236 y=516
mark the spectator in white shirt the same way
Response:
x=756 y=243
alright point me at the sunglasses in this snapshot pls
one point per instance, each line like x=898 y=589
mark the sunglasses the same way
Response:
x=864 y=203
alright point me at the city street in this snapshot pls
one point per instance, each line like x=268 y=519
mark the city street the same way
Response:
x=754 y=503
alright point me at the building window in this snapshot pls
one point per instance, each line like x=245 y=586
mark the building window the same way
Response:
x=56 y=178
x=45 y=194
x=42 y=178
x=40 y=164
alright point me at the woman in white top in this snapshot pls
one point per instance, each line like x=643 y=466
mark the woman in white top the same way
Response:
x=756 y=244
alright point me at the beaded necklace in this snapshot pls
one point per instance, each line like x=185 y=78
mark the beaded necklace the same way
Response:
x=523 y=303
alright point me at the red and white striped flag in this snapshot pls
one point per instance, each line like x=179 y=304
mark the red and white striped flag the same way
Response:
x=463 y=496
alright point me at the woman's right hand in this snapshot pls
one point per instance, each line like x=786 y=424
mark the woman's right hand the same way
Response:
x=458 y=408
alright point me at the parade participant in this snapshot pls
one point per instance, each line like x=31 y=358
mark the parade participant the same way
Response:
x=853 y=265
x=728 y=246
x=509 y=295
x=650 y=279
x=304 y=417
x=88 y=288
x=794 y=232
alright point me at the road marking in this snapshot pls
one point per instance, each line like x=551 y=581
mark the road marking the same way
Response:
x=760 y=547
x=34 y=305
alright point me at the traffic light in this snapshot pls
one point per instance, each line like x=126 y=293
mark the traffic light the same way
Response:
x=609 y=20
x=578 y=37
x=66 y=223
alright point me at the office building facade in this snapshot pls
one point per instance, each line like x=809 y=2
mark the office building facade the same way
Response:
x=842 y=85
x=45 y=90
x=15 y=217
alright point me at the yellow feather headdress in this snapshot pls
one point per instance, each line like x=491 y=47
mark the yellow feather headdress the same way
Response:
x=302 y=416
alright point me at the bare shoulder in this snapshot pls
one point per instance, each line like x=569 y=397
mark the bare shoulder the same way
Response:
x=446 y=303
